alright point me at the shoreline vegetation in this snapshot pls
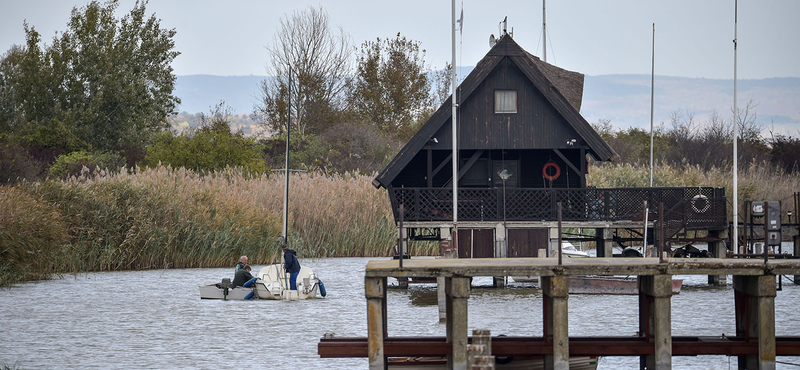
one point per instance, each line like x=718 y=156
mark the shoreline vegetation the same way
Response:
x=153 y=218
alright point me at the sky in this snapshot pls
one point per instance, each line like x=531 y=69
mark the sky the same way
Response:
x=692 y=39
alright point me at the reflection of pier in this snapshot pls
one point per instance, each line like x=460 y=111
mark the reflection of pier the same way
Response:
x=754 y=341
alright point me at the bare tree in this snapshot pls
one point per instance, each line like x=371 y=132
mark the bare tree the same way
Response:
x=320 y=63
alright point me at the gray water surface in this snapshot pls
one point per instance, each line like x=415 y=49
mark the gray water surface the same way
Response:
x=156 y=320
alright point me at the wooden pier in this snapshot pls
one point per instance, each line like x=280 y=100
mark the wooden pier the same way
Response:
x=754 y=282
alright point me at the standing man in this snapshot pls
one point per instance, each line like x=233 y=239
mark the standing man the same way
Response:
x=291 y=265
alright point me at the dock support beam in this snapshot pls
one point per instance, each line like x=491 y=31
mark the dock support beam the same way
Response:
x=717 y=249
x=655 y=294
x=375 y=290
x=556 y=324
x=796 y=242
x=457 y=290
x=605 y=239
x=755 y=319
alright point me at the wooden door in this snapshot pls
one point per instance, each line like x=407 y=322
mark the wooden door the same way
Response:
x=476 y=243
x=527 y=242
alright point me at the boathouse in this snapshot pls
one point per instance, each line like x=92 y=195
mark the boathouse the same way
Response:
x=523 y=148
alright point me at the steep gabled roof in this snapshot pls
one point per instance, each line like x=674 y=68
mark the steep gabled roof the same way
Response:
x=563 y=90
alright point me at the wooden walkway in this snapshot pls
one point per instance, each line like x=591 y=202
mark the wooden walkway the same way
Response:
x=754 y=282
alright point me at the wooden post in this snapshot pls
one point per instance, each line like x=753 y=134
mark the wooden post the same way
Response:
x=457 y=290
x=375 y=290
x=655 y=294
x=755 y=318
x=556 y=321
x=717 y=249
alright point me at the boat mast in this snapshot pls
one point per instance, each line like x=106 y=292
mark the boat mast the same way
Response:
x=286 y=168
x=454 y=131
x=544 y=28
x=652 y=92
x=735 y=136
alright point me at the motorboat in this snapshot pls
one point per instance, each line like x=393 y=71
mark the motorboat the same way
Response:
x=568 y=250
x=272 y=283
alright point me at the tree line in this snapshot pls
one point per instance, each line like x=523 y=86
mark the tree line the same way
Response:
x=101 y=95
x=683 y=141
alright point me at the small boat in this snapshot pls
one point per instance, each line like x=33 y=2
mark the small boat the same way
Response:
x=567 y=250
x=272 y=283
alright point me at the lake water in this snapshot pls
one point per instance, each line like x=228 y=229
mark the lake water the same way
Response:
x=155 y=319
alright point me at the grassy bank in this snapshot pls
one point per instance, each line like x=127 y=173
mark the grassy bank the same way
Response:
x=174 y=218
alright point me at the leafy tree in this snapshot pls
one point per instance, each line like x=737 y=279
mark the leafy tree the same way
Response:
x=320 y=65
x=392 y=90
x=103 y=84
x=210 y=147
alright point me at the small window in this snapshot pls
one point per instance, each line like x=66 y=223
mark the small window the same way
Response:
x=505 y=101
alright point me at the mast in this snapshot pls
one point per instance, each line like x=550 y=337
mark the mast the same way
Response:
x=544 y=28
x=286 y=169
x=455 y=136
x=652 y=92
x=735 y=135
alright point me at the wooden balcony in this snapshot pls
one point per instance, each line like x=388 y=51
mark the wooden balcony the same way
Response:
x=693 y=208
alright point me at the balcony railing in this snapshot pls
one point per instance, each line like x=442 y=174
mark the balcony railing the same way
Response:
x=695 y=208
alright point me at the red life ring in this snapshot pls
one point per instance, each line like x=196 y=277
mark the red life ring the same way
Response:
x=548 y=176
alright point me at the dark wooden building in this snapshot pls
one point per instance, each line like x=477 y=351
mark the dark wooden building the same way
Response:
x=518 y=118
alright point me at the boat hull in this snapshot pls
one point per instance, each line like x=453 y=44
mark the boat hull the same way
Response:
x=611 y=285
x=272 y=283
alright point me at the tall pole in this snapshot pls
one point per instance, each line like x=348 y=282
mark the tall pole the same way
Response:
x=286 y=169
x=652 y=93
x=455 y=133
x=735 y=136
x=544 y=27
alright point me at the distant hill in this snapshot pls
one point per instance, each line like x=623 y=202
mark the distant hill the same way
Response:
x=623 y=99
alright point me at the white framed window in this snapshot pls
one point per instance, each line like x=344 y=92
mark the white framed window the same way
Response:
x=505 y=101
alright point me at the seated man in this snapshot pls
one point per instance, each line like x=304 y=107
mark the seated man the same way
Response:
x=241 y=264
x=243 y=278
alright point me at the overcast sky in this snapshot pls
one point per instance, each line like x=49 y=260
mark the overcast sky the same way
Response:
x=693 y=38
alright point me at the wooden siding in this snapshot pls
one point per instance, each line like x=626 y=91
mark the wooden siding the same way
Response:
x=536 y=125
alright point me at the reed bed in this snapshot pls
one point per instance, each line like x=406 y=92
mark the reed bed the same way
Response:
x=757 y=180
x=173 y=218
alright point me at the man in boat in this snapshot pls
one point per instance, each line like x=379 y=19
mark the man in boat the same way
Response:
x=291 y=265
x=243 y=278
x=241 y=264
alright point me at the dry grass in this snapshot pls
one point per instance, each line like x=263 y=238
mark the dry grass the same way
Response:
x=757 y=181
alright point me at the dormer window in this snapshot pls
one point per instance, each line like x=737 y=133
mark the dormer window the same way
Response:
x=505 y=101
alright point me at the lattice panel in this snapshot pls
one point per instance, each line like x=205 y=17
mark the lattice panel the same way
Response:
x=528 y=205
x=684 y=208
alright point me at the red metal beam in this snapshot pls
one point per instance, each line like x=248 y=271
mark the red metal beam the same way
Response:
x=537 y=346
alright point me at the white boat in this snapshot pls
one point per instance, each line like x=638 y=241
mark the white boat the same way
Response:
x=567 y=250
x=272 y=283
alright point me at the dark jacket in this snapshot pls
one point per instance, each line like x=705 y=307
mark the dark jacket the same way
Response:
x=291 y=264
x=239 y=266
x=242 y=276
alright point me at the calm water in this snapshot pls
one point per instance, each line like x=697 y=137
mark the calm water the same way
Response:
x=155 y=319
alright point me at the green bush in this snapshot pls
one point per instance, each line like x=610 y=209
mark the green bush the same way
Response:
x=72 y=164
x=206 y=149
